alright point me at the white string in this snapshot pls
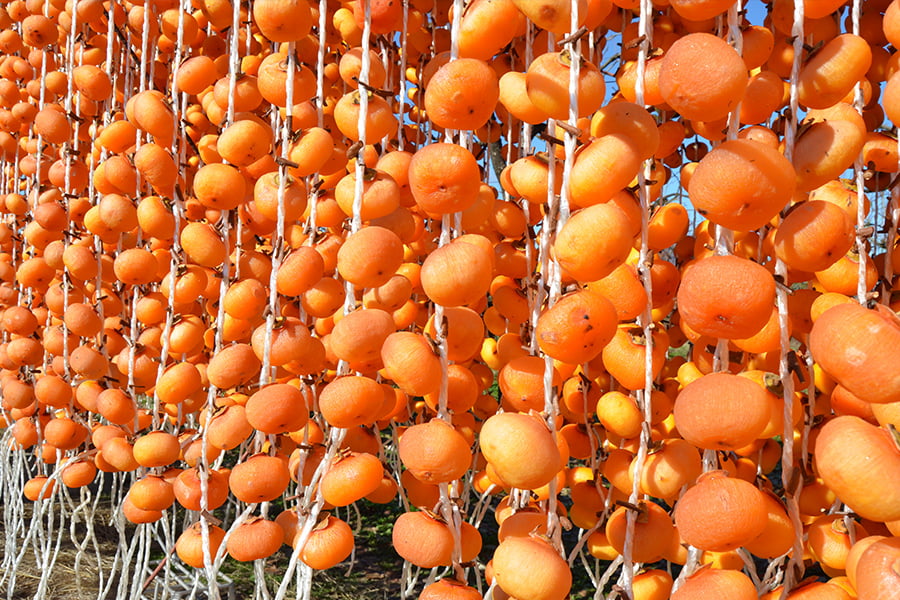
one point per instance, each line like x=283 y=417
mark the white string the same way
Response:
x=178 y=103
x=645 y=31
x=278 y=236
x=791 y=492
x=404 y=57
x=208 y=560
x=892 y=217
x=356 y=219
x=861 y=285
x=320 y=63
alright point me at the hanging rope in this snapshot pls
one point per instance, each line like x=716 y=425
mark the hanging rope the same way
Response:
x=792 y=483
x=645 y=31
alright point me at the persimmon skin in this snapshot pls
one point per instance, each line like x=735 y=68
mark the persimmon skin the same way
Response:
x=350 y=68
x=828 y=147
x=891 y=98
x=864 y=475
x=487 y=26
x=676 y=464
x=653 y=533
x=829 y=540
x=283 y=21
x=462 y=94
x=716 y=583
x=740 y=406
x=843 y=275
x=380 y=194
x=254 y=539
x=232 y=366
x=457 y=274
x=358 y=336
x=552 y=15
x=507 y=436
x=529 y=175
x=765 y=95
x=464 y=332
x=410 y=361
x=189 y=546
x=620 y=415
x=702 y=77
x=449 y=588
x=865 y=364
x=85 y=285
x=521 y=382
x=531 y=568
x=196 y=74
x=720 y=513
x=227 y=429
x=156 y=449
x=203 y=245
x=700 y=10
x=301 y=270
x=547 y=82
x=726 y=296
x=814 y=235
x=444 y=178
x=876 y=572
x=351 y=401
x=385 y=15
x=829 y=75
x=351 y=478
x=152 y=492
x=625 y=355
x=624 y=289
x=630 y=119
x=380 y=122
x=260 y=478
x=370 y=257
x=422 y=540
x=654 y=584
x=277 y=408
x=593 y=242
x=667 y=226
x=330 y=543
x=778 y=536
x=514 y=98
x=615 y=154
x=741 y=184
x=577 y=327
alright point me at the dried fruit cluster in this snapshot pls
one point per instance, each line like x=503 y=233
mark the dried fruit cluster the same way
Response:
x=265 y=260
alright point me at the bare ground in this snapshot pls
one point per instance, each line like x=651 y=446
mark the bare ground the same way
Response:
x=374 y=574
x=64 y=581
